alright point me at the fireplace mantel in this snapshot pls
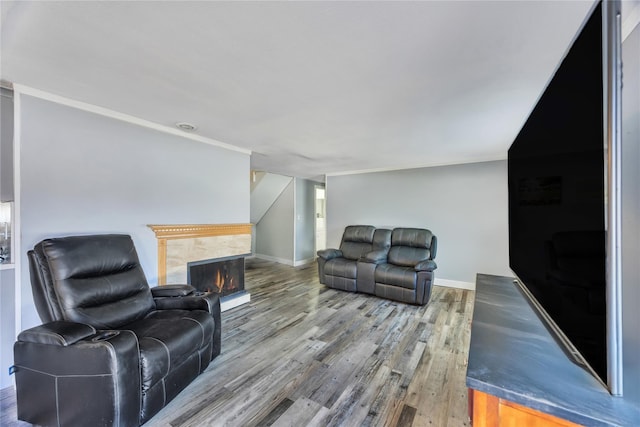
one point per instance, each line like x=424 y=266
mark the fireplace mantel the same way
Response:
x=179 y=244
x=188 y=231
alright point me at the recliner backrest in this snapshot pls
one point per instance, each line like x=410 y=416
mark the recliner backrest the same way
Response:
x=44 y=296
x=409 y=246
x=95 y=280
x=381 y=239
x=357 y=240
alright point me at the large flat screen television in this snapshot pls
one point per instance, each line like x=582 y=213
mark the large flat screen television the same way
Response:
x=558 y=201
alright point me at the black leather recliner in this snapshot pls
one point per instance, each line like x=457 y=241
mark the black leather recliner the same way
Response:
x=111 y=351
x=338 y=268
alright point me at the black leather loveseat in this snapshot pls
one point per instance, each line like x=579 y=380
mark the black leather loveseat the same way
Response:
x=396 y=264
x=111 y=351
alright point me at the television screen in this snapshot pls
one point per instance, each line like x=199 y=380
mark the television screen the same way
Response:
x=557 y=199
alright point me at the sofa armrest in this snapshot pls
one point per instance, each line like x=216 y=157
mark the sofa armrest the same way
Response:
x=428 y=265
x=375 y=257
x=172 y=291
x=328 y=254
x=60 y=333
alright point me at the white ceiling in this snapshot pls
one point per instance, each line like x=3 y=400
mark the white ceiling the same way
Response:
x=311 y=88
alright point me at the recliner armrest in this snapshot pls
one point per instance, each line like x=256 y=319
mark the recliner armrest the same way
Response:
x=375 y=257
x=328 y=254
x=103 y=369
x=172 y=291
x=61 y=332
x=196 y=301
x=428 y=265
x=207 y=301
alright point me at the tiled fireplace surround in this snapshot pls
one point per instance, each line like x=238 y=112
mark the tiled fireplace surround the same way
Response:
x=181 y=244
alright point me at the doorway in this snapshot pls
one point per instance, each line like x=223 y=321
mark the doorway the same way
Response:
x=320 y=217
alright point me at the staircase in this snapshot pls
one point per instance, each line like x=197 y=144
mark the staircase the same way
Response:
x=265 y=190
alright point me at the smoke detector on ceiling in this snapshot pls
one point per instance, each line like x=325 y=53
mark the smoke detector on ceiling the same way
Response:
x=187 y=127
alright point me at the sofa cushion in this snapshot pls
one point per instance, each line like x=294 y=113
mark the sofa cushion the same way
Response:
x=167 y=338
x=357 y=240
x=354 y=251
x=382 y=240
x=409 y=246
x=341 y=267
x=359 y=233
x=406 y=256
x=412 y=237
x=389 y=274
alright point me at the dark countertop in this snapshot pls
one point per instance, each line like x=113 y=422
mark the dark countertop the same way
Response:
x=513 y=356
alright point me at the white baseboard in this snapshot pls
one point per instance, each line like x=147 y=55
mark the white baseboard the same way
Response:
x=274 y=259
x=285 y=261
x=303 y=262
x=454 y=284
x=235 y=302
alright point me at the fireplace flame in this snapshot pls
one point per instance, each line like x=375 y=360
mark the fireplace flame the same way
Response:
x=219 y=281
x=222 y=279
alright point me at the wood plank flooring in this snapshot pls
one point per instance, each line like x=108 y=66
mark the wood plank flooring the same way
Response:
x=301 y=354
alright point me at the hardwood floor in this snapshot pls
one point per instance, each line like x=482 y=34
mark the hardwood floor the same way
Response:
x=301 y=354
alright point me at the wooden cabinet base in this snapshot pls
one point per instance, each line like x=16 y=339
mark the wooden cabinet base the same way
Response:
x=491 y=411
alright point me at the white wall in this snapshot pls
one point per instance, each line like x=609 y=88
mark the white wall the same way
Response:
x=83 y=173
x=465 y=206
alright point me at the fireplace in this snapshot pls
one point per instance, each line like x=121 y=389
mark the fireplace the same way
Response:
x=224 y=276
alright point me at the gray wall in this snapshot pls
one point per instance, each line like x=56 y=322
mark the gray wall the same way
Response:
x=274 y=232
x=265 y=192
x=82 y=173
x=286 y=231
x=305 y=220
x=465 y=206
x=8 y=325
x=6 y=145
x=7 y=284
x=631 y=215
